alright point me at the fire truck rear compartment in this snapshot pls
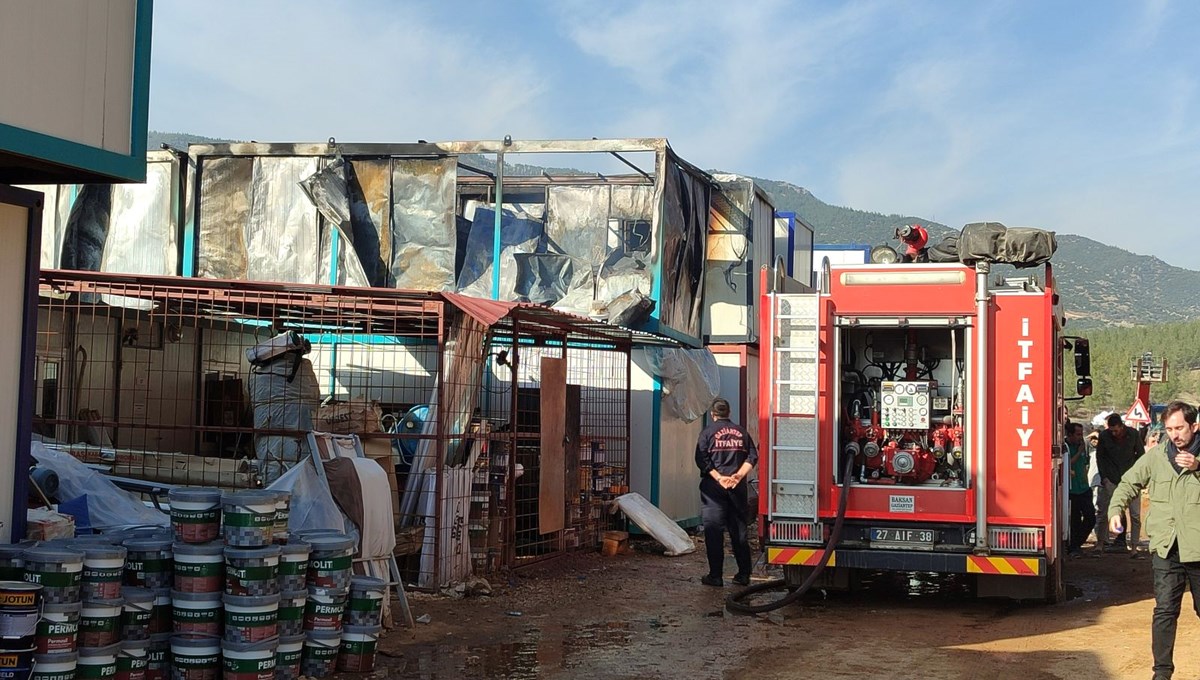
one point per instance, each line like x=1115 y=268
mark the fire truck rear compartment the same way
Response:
x=902 y=389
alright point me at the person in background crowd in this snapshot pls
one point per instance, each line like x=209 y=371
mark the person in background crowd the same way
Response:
x=1083 y=512
x=725 y=454
x=1119 y=448
x=1169 y=472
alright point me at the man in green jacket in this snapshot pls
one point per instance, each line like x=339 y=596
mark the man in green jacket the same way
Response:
x=1169 y=471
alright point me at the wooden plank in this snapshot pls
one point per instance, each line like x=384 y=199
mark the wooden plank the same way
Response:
x=551 y=484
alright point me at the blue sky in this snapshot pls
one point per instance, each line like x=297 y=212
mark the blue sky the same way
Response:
x=1081 y=117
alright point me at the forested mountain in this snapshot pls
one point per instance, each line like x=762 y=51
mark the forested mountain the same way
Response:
x=1101 y=285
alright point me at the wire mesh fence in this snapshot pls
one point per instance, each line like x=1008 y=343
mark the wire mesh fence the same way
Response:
x=503 y=437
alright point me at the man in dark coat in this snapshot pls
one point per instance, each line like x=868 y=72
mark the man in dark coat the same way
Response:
x=725 y=454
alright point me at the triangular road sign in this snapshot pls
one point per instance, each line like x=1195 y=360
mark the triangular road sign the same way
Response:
x=1137 y=414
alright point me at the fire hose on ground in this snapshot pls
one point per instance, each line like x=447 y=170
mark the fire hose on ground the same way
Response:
x=736 y=601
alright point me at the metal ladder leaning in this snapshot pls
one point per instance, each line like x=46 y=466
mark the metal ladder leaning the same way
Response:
x=324 y=442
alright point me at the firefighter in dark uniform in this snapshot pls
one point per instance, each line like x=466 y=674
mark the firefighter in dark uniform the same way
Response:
x=725 y=454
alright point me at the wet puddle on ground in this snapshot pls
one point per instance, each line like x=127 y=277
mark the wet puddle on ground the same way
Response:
x=534 y=654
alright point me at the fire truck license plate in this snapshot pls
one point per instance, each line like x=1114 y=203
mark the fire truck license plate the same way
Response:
x=906 y=536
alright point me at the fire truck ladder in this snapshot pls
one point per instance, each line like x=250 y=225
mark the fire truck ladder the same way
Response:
x=793 y=436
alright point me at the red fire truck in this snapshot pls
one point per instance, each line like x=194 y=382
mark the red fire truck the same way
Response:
x=912 y=421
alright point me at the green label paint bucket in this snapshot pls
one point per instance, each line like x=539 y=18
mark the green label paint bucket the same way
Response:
x=291 y=613
x=320 y=653
x=158 y=657
x=20 y=604
x=195 y=514
x=149 y=563
x=330 y=561
x=249 y=660
x=58 y=628
x=133 y=660
x=358 y=649
x=293 y=566
x=160 y=618
x=251 y=618
x=58 y=570
x=139 y=609
x=199 y=568
x=324 y=610
x=196 y=613
x=103 y=570
x=100 y=622
x=249 y=518
x=366 y=601
x=97 y=663
x=60 y=666
x=288 y=657
x=195 y=658
x=283 y=500
x=252 y=571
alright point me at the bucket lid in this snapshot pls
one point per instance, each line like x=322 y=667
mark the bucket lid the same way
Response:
x=195 y=494
x=251 y=600
x=196 y=597
x=149 y=544
x=62 y=608
x=281 y=496
x=101 y=551
x=324 y=636
x=293 y=595
x=330 y=543
x=53 y=554
x=9 y=550
x=268 y=645
x=148 y=532
x=57 y=657
x=291 y=640
x=206 y=549
x=137 y=595
x=358 y=582
x=297 y=546
x=193 y=641
x=160 y=638
x=252 y=553
x=362 y=630
x=22 y=586
x=107 y=650
x=244 y=498
x=118 y=602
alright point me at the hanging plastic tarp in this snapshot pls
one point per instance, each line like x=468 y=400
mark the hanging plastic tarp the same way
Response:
x=329 y=193
x=87 y=228
x=542 y=278
x=370 y=185
x=685 y=223
x=690 y=379
x=141 y=232
x=424 y=232
x=256 y=223
x=521 y=232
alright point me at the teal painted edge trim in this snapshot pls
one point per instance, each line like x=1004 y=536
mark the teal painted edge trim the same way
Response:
x=139 y=118
x=131 y=168
x=73 y=154
x=655 y=442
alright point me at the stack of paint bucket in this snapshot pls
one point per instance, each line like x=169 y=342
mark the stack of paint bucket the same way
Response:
x=57 y=570
x=327 y=581
x=188 y=645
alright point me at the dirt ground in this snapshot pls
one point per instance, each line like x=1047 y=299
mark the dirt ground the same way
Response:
x=644 y=615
